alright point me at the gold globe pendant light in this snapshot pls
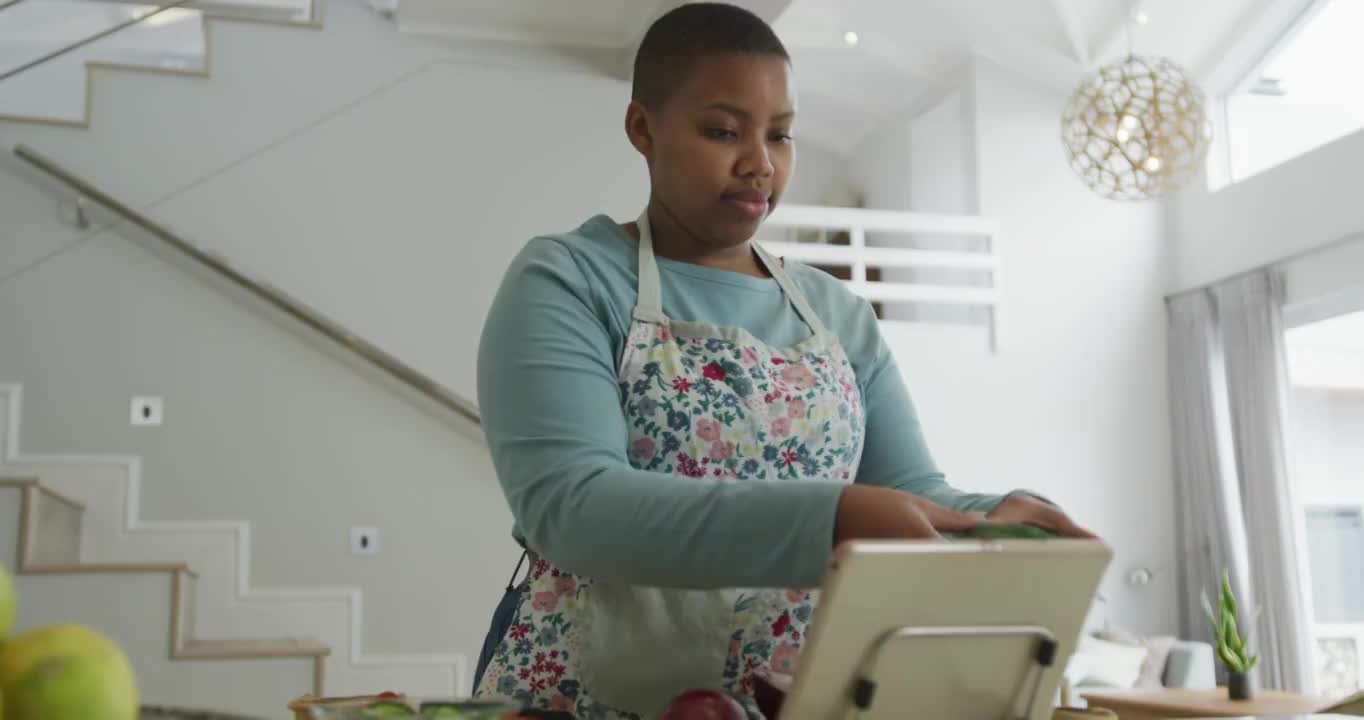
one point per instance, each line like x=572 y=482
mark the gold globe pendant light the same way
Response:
x=1137 y=128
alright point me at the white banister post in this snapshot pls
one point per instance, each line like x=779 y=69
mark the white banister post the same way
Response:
x=996 y=282
x=857 y=237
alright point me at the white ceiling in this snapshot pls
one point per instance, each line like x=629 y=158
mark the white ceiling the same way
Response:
x=906 y=53
x=907 y=47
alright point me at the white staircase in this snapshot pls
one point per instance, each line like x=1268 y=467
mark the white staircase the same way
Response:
x=159 y=36
x=84 y=554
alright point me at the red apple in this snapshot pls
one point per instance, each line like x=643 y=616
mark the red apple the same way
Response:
x=770 y=689
x=704 y=704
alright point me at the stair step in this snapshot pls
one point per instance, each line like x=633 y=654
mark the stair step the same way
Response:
x=107 y=568
x=254 y=648
x=67 y=500
x=58 y=93
x=24 y=482
x=51 y=523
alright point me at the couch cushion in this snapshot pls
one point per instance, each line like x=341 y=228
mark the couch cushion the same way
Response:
x=1111 y=664
x=1158 y=653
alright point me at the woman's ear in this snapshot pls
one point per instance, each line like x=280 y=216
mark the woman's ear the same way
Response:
x=638 y=130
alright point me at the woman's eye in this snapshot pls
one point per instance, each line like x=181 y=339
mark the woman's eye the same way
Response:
x=721 y=134
x=782 y=138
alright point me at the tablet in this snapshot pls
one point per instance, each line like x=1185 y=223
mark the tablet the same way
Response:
x=945 y=630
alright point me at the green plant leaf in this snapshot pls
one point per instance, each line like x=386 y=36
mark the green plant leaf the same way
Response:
x=1230 y=641
x=1233 y=663
x=1228 y=597
x=1234 y=637
x=1214 y=623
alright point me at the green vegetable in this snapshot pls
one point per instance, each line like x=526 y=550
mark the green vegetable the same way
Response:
x=442 y=712
x=466 y=710
x=1006 y=531
x=385 y=709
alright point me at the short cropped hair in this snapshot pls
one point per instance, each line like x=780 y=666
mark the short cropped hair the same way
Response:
x=689 y=32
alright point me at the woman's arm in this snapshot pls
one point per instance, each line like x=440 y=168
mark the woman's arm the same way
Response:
x=895 y=453
x=547 y=387
x=897 y=456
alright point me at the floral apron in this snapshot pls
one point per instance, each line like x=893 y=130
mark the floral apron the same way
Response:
x=718 y=405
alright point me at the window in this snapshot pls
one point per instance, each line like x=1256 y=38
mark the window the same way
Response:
x=1306 y=94
x=1334 y=538
x=1326 y=447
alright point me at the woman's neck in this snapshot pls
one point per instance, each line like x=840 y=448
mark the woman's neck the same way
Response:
x=675 y=242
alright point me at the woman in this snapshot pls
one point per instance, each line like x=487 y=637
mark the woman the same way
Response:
x=684 y=426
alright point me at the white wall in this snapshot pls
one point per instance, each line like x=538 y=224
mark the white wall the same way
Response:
x=1323 y=285
x=819 y=172
x=926 y=162
x=939 y=143
x=1306 y=202
x=880 y=170
x=384 y=180
x=1074 y=405
x=879 y=166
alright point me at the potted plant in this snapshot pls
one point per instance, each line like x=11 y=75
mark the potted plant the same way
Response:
x=1230 y=643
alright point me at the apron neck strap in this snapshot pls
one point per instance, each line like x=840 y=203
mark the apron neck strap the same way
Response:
x=793 y=293
x=649 y=307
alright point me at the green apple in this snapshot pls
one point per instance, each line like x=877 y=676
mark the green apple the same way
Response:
x=66 y=672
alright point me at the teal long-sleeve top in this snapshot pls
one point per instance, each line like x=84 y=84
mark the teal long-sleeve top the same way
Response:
x=551 y=405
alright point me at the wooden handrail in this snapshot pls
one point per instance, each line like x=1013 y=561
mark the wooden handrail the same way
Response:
x=272 y=296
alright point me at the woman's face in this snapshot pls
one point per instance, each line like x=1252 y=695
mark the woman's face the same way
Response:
x=720 y=149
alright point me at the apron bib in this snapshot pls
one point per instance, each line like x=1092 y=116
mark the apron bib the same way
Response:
x=718 y=405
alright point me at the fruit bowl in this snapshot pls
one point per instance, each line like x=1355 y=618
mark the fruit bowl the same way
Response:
x=400 y=710
x=152 y=712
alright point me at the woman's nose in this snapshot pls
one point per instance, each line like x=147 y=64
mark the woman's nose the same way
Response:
x=756 y=160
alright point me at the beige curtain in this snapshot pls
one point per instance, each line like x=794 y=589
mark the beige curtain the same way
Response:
x=1228 y=387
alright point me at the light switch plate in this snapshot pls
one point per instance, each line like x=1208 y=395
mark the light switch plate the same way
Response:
x=147 y=411
x=364 y=541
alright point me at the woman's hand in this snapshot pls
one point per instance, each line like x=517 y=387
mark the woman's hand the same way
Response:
x=1031 y=511
x=869 y=512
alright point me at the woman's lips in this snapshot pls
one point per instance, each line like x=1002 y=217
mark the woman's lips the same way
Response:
x=752 y=206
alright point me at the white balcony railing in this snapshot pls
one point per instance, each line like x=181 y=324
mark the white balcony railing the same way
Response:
x=972 y=280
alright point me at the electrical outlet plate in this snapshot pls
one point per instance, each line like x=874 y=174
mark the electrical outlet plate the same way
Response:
x=147 y=411
x=364 y=541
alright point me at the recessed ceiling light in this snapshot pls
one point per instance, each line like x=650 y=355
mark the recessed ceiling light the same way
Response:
x=851 y=38
x=1140 y=15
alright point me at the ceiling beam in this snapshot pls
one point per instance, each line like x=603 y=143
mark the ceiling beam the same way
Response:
x=1242 y=51
x=1112 y=37
x=1049 y=66
x=1070 y=25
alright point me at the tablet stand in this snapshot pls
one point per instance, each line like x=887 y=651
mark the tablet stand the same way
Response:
x=864 y=688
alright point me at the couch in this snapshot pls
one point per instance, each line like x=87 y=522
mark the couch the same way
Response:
x=1127 y=662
